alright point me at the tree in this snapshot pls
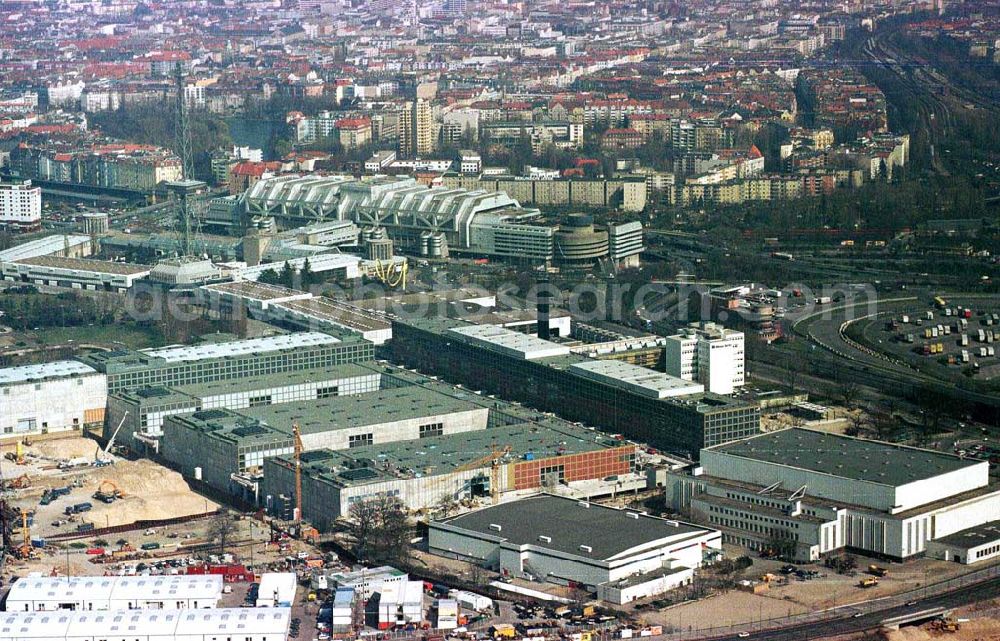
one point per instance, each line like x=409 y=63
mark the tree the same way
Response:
x=287 y=276
x=307 y=276
x=269 y=277
x=222 y=529
x=379 y=528
x=848 y=392
x=446 y=505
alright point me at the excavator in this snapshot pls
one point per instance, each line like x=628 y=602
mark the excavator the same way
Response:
x=108 y=492
x=20 y=483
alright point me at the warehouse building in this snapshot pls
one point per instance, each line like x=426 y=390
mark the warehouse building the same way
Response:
x=141 y=412
x=65 y=245
x=804 y=493
x=47 y=594
x=623 y=555
x=74 y=273
x=245 y=624
x=294 y=308
x=51 y=397
x=227 y=449
x=550 y=376
x=979 y=543
x=221 y=359
x=423 y=473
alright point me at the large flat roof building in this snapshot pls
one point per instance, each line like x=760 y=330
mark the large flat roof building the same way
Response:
x=637 y=403
x=424 y=471
x=623 y=554
x=51 y=397
x=226 y=359
x=143 y=410
x=810 y=493
x=414 y=437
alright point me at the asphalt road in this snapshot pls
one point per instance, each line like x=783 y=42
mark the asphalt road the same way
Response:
x=962 y=596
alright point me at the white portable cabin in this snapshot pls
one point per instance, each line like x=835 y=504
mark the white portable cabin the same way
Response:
x=276 y=589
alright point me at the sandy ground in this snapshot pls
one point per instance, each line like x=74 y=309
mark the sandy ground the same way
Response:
x=796 y=596
x=723 y=610
x=151 y=490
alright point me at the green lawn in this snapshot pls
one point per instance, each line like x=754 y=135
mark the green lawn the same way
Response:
x=131 y=335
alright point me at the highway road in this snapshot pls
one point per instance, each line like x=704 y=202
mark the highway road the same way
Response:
x=867 y=621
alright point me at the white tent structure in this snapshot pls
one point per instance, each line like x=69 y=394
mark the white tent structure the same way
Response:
x=85 y=593
x=245 y=624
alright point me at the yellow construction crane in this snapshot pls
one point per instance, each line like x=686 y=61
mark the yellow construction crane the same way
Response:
x=493 y=458
x=297 y=517
x=25 y=551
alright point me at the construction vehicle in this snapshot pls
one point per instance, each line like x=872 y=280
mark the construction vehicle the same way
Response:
x=108 y=492
x=17 y=456
x=20 y=483
x=868 y=582
x=111 y=441
x=946 y=624
x=877 y=570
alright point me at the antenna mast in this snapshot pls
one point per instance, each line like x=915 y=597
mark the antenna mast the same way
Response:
x=183 y=144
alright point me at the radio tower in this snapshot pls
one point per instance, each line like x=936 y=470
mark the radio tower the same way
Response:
x=183 y=143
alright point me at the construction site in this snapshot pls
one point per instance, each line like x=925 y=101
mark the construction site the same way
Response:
x=70 y=489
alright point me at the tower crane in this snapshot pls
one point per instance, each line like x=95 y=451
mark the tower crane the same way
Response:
x=493 y=459
x=296 y=433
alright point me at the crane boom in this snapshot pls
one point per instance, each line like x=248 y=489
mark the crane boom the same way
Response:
x=298 y=472
x=111 y=441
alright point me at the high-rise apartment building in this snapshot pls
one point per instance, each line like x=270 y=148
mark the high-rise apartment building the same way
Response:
x=20 y=205
x=707 y=353
x=416 y=130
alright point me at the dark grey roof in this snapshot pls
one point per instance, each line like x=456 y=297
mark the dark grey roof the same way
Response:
x=570 y=524
x=974 y=536
x=846 y=457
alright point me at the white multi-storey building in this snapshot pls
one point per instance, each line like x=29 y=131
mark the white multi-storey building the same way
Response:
x=707 y=353
x=20 y=205
x=51 y=397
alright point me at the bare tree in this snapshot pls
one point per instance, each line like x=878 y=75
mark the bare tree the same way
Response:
x=222 y=529
x=379 y=528
x=848 y=392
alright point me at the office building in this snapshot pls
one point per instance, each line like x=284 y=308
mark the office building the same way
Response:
x=51 y=397
x=20 y=206
x=623 y=555
x=803 y=494
x=634 y=401
x=707 y=353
